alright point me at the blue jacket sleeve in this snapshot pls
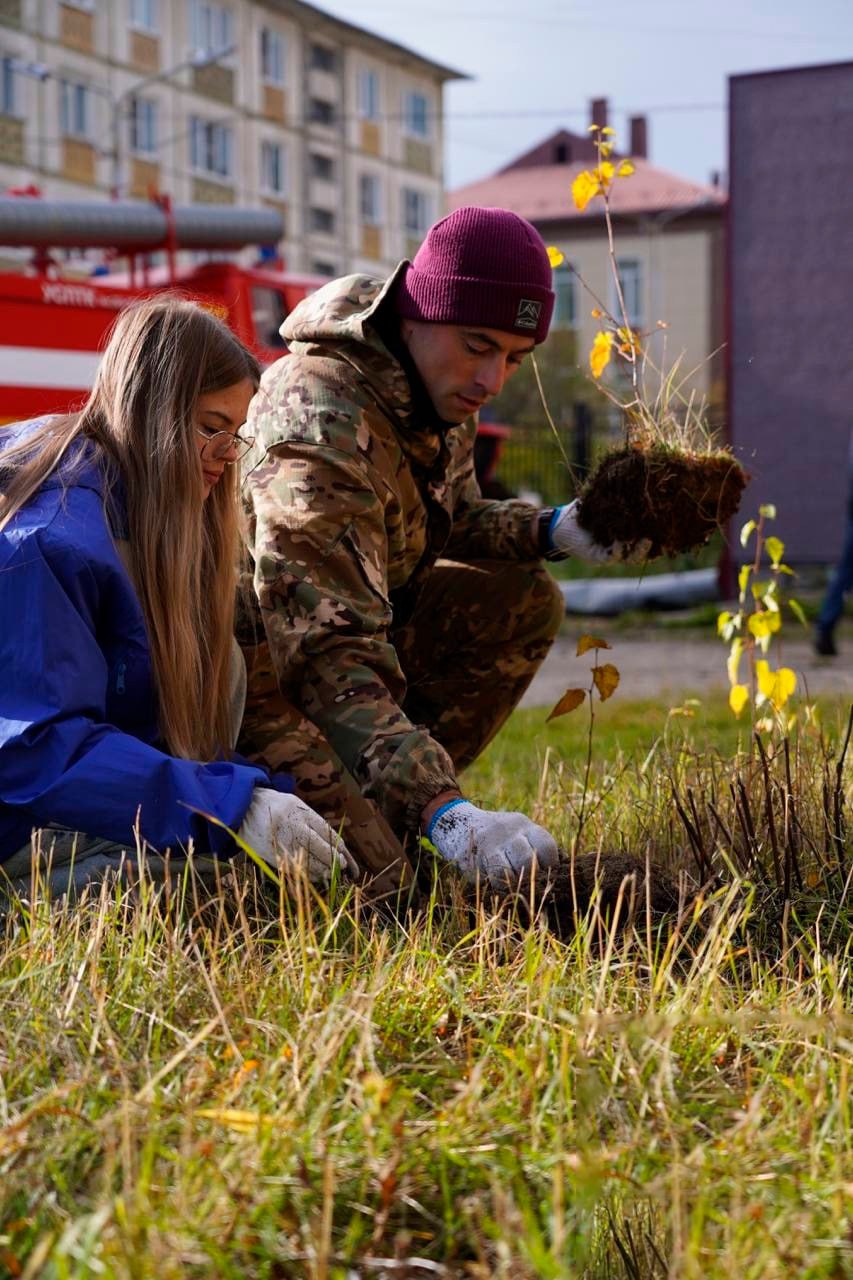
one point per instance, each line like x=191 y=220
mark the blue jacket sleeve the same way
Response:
x=59 y=761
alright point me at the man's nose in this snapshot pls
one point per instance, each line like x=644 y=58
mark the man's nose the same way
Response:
x=491 y=374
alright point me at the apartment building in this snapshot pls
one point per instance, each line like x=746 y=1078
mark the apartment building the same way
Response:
x=249 y=102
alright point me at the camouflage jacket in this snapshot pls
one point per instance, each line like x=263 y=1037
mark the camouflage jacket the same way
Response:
x=351 y=501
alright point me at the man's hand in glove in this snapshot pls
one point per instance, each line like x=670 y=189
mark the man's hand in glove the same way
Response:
x=283 y=830
x=567 y=537
x=494 y=845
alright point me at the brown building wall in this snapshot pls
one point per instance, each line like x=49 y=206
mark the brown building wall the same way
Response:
x=790 y=298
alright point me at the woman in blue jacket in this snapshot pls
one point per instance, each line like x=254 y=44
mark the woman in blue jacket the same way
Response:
x=120 y=690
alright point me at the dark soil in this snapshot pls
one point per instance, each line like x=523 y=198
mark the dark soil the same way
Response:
x=672 y=499
x=573 y=887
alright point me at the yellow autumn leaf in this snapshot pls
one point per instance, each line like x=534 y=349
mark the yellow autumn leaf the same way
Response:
x=625 y=169
x=777 y=686
x=766 y=623
x=607 y=130
x=743 y=579
x=570 y=700
x=596 y=313
x=605 y=172
x=605 y=149
x=606 y=680
x=738 y=698
x=733 y=663
x=775 y=548
x=232 y=1118
x=599 y=356
x=555 y=256
x=587 y=642
x=584 y=187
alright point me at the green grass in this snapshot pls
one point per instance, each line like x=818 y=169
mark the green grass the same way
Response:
x=303 y=1090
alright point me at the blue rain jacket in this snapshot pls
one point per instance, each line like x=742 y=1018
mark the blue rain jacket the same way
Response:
x=78 y=707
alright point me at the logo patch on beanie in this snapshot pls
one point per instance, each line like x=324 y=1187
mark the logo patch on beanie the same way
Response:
x=527 y=316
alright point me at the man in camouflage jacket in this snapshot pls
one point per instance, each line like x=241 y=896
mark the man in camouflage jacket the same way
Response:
x=403 y=615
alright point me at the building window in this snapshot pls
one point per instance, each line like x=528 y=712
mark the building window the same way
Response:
x=143 y=125
x=368 y=95
x=631 y=279
x=565 y=314
x=8 y=87
x=370 y=199
x=416 y=115
x=321 y=166
x=143 y=15
x=321 y=112
x=75 y=109
x=272 y=168
x=272 y=57
x=322 y=220
x=210 y=147
x=416 y=211
x=211 y=28
x=323 y=58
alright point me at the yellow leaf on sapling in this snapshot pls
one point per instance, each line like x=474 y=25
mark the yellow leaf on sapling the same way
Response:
x=587 y=642
x=599 y=356
x=584 y=187
x=775 y=549
x=570 y=700
x=555 y=256
x=777 y=686
x=738 y=698
x=606 y=679
x=625 y=169
x=733 y=662
x=747 y=531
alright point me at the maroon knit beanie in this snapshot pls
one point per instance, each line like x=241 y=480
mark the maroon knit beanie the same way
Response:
x=481 y=266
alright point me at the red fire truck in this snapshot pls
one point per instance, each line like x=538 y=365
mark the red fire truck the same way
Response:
x=53 y=326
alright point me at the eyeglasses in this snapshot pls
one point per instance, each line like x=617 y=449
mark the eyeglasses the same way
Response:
x=219 y=444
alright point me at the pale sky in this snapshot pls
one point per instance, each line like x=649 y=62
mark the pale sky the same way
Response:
x=536 y=64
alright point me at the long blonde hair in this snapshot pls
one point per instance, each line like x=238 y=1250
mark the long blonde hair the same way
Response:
x=162 y=354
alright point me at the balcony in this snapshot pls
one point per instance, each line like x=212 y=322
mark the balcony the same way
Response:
x=144 y=51
x=11 y=140
x=79 y=161
x=207 y=192
x=11 y=13
x=417 y=155
x=144 y=178
x=77 y=28
x=274 y=103
x=214 y=81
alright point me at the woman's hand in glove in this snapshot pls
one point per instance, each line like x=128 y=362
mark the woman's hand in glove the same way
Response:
x=283 y=830
x=498 y=846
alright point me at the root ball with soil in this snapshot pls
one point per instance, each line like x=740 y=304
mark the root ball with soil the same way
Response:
x=670 y=498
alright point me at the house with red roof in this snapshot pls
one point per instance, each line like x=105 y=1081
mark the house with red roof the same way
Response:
x=670 y=248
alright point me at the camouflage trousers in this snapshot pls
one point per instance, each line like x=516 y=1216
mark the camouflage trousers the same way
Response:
x=477 y=636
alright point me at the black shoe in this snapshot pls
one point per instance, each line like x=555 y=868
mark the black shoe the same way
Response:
x=824 y=644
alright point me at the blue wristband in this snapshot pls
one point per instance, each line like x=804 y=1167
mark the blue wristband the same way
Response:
x=451 y=804
x=558 y=511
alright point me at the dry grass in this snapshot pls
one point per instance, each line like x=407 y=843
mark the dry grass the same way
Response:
x=278 y=1087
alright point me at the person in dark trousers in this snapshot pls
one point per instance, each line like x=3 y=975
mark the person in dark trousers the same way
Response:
x=840 y=582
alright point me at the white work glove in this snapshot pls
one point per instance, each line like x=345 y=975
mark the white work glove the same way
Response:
x=568 y=537
x=496 y=846
x=283 y=830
